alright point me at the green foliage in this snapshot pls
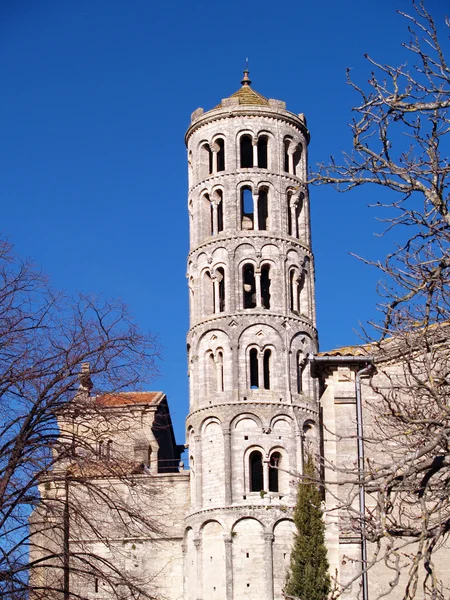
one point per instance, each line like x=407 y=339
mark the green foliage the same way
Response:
x=308 y=577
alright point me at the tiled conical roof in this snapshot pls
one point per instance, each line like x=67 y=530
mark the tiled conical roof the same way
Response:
x=246 y=95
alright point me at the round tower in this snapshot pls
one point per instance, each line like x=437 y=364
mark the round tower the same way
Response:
x=252 y=324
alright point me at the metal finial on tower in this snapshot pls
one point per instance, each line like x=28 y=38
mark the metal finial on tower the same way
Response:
x=246 y=79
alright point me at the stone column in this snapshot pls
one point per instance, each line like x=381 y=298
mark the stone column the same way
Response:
x=255 y=212
x=219 y=375
x=185 y=571
x=294 y=229
x=228 y=540
x=215 y=152
x=291 y=151
x=268 y=563
x=216 y=296
x=261 y=370
x=255 y=151
x=199 y=558
x=266 y=463
x=258 y=288
x=215 y=226
x=295 y=284
x=227 y=465
x=198 y=471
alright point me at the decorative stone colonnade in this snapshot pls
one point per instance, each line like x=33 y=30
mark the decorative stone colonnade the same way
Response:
x=233 y=557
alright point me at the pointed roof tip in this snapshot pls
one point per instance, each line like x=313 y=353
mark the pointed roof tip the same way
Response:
x=246 y=81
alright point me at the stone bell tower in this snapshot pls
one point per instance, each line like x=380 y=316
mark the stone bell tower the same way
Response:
x=253 y=405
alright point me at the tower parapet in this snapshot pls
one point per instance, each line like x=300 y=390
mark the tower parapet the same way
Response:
x=252 y=324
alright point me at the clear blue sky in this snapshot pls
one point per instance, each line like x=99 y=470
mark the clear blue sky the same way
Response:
x=96 y=97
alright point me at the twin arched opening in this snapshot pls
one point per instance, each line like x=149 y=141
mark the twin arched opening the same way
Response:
x=261 y=479
x=254 y=208
x=253 y=151
x=256 y=286
x=260 y=368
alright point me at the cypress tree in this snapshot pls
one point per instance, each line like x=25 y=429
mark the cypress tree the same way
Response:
x=308 y=577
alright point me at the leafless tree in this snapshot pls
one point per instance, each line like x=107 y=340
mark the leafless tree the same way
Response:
x=401 y=147
x=45 y=339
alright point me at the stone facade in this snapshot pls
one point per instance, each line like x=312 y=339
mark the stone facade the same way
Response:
x=260 y=394
x=252 y=325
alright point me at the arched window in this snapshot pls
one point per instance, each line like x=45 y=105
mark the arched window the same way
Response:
x=289 y=212
x=211 y=374
x=247 y=217
x=296 y=160
x=256 y=471
x=221 y=155
x=274 y=465
x=109 y=449
x=220 y=212
x=208 y=293
x=300 y=367
x=254 y=369
x=263 y=210
x=248 y=276
x=219 y=367
x=266 y=368
x=206 y=161
x=291 y=289
x=101 y=449
x=246 y=152
x=262 y=151
x=220 y=274
x=265 y=286
x=286 y=145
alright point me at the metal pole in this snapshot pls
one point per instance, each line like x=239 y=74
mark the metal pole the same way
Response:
x=361 y=466
x=66 y=549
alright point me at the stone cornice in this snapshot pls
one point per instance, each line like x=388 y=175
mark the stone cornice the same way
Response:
x=214 y=178
x=242 y=236
x=241 y=404
x=227 y=113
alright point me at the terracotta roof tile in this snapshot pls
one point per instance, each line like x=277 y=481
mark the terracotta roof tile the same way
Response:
x=127 y=398
x=347 y=351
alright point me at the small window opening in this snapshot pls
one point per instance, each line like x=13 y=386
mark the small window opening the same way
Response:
x=263 y=211
x=267 y=357
x=293 y=291
x=221 y=277
x=109 y=449
x=249 y=286
x=206 y=161
x=208 y=293
x=246 y=152
x=219 y=367
x=286 y=155
x=256 y=471
x=101 y=450
x=300 y=367
x=211 y=219
x=96 y=585
x=247 y=217
x=212 y=375
x=254 y=375
x=289 y=213
x=221 y=155
x=220 y=212
x=274 y=465
x=265 y=286
x=262 y=152
x=296 y=159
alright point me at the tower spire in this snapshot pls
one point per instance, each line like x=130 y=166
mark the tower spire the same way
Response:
x=246 y=81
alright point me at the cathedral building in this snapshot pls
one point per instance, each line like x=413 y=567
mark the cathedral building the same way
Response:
x=260 y=395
